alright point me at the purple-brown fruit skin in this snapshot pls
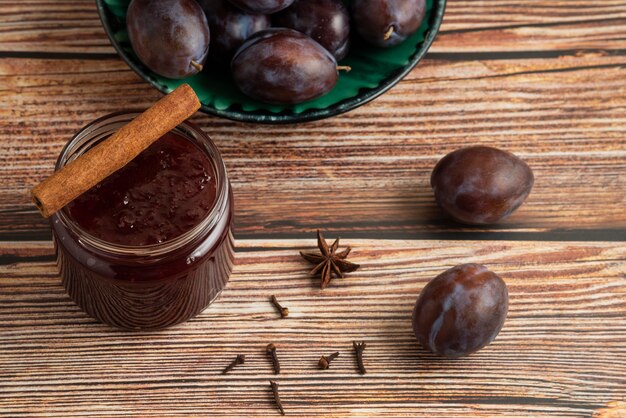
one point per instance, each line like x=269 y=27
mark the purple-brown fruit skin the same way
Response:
x=265 y=7
x=167 y=35
x=373 y=18
x=461 y=310
x=481 y=185
x=325 y=21
x=230 y=27
x=283 y=66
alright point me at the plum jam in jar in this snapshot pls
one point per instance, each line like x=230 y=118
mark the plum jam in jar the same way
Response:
x=151 y=245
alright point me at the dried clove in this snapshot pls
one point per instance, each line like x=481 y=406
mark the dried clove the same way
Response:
x=240 y=359
x=271 y=351
x=358 y=349
x=279 y=404
x=324 y=362
x=284 y=312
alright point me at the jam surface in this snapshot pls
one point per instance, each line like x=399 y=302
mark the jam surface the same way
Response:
x=164 y=192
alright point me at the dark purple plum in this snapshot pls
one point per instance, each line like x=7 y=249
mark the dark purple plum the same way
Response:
x=283 y=66
x=171 y=37
x=326 y=21
x=461 y=310
x=387 y=23
x=230 y=27
x=265 y=7
x=481 y=185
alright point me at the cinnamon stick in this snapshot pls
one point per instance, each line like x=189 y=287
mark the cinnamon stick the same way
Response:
x=114 y=152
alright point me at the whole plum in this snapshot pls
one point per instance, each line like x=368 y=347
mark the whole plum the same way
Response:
x=265 y=7
x=171 y=37
x=389 y=22
x=481 y=185
x=283 y=66
x=326 y=21
x=461 y=310
x=230 y=27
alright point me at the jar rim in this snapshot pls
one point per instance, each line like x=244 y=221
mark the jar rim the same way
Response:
x=96 y=131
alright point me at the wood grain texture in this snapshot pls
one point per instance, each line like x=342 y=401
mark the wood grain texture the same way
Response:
x=561 y=351
x=543 y=79
x=367 y=170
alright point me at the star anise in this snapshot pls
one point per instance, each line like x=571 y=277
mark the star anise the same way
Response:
x=330 y=263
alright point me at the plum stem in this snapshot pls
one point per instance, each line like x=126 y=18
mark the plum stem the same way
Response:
x=345 y=68
x=389 y=32
x=196 y=65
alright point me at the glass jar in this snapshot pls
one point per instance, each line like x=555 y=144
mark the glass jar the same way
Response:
x=153 y=286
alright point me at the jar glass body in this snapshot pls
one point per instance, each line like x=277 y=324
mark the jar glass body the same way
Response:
x=154 y=286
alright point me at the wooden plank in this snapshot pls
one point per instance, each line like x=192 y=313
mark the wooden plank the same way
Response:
x=68 y=26
x=561 y=351
x=490 y=25
x=367 y=170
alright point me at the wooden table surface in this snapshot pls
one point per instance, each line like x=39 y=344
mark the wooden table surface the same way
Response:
x=545 y=79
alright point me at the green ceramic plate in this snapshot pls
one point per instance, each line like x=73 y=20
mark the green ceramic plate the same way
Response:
x=374 y=71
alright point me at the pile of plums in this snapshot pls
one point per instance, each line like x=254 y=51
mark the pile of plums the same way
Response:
x=279 y=51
